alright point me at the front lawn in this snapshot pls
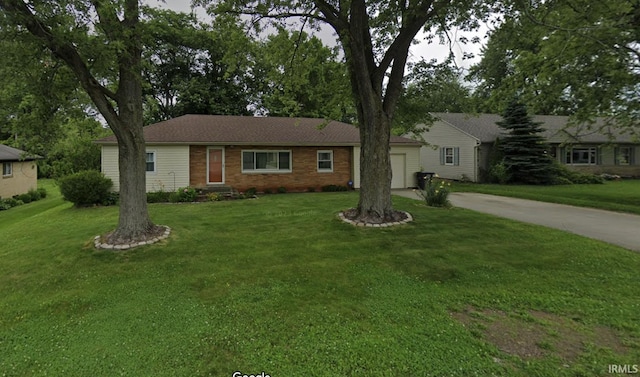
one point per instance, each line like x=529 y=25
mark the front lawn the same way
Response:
x=622 y=196
x=280 y=285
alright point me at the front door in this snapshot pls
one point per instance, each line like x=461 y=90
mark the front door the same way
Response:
x=215 y=162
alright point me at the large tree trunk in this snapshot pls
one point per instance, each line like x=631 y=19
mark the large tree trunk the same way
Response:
x=374 y=205
x=375 y=168
x=126 y=119
x=134 y=222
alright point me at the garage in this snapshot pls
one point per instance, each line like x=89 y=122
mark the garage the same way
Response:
x=405 y=162
x=398 y=169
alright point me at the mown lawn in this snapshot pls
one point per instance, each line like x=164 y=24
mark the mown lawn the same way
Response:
x=622 y=196
x=280 y=285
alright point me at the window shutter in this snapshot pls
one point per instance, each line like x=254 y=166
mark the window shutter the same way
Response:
x=598 y=151
x=441 y=156
x=632 y=156
x=456 y=156
x=563 y=155
x=615 y=156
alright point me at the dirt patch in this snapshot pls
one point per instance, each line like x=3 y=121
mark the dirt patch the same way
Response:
x=536 y=334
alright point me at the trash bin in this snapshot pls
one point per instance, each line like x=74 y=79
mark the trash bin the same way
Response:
x=422 y=178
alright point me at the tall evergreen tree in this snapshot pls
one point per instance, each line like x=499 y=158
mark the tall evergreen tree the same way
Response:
x=526 y=157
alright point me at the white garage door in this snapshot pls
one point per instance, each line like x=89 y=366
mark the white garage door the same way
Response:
x=398 y=169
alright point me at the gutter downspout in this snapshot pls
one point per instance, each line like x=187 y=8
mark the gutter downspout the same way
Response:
x=476 y=161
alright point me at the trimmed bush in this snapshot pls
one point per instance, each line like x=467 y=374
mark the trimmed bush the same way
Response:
x=87 y=188
x=251 y=191
x=282 y=190
x=43 y=192
x=25 y=198
x=334 y=188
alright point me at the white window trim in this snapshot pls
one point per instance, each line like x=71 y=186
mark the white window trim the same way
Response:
x=155 y=162
x=453 y=156
x=266 y=171
x=330 y=151
x=10 y=165
x=589 y=149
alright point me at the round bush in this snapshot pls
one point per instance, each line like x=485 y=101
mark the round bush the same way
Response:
x=86 y=188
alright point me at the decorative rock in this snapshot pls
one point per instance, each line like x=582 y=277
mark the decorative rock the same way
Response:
x=408 y=219
x=99 y=245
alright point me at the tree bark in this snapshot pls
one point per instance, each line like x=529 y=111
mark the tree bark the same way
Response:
x=125 y=119
x=374 y=205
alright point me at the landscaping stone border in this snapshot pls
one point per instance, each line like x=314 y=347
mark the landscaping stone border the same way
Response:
x=106 y=246
x=381 y=225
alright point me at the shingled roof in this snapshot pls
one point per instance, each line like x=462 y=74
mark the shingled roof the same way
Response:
x=484 y=128
x=247 y=130
x=8 y=153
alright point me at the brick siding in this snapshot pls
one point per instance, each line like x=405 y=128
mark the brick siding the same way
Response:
x=304 y=174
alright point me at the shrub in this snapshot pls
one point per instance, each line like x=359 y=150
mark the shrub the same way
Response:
x=282 y=190
x=436 y=193
x=267 y=191
x=251 y=191
x=562 y=174
x=311 y=189
x=184 y=195
x=334 y=188
x=9 y=203
x=158 y=197
x=498 y=173
x=26 y=198
x=214 y=197
x=35 y=195
x=43 y=192
x=86 y=188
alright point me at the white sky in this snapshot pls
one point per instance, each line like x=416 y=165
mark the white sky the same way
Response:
x=421 y=50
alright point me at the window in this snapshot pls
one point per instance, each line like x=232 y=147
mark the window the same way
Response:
x=624 y=156
x=151 y=162
x=325 y=161
x=449 y=156
x=266 y=161
x=581 y=156
x=7 y=169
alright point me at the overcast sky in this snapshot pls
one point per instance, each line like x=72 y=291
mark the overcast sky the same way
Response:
x=421 y=50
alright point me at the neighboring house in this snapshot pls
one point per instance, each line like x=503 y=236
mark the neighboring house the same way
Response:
x=19 y=172
x=460 y=146
x=266 y=153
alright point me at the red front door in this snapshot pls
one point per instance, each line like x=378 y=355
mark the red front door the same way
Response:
x=215 y=166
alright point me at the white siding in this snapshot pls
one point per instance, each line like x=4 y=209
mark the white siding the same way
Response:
x=411 y=165
x=441 y=135
x=172 y=167
x=109 y=164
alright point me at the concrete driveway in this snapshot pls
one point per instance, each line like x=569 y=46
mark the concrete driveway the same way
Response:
x=616 y=228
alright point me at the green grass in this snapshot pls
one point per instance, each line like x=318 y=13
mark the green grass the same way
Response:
x=280 y=285
x=621 y=196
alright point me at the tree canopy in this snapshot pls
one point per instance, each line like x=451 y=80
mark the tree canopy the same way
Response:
x=194 y=68
x=375 y=37
x=100 y=42
x=567 y=57
x=303 y=77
